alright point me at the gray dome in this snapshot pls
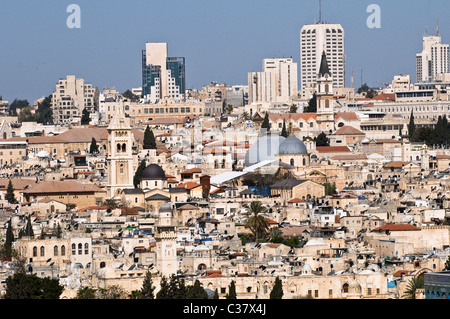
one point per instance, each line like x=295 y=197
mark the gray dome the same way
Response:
x=153 y=171
x=166 y=207
x=293 y=146
x=266 y=148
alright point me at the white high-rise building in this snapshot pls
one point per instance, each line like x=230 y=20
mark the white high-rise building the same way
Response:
x=433 y=60
x=277 y=83
x=315 y=39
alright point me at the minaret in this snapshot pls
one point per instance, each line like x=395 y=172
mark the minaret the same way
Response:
x=325 y=108
x=166 y=242
x=120 y=158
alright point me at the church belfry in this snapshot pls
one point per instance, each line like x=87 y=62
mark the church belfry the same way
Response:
x=325 y=107
x=120 y=158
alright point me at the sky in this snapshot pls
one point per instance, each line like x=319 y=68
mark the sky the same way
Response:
x=221 y=40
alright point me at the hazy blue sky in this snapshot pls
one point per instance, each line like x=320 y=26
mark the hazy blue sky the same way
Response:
x=221 y=40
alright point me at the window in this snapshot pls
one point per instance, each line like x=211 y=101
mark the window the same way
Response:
x=80 y=249
x=63 y=250
x=86 y=248
x=74 y=252
x=55 y=251
x=42 y=251
x=35 y=251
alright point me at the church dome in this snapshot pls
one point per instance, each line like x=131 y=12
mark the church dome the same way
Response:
x=166 y=207
x=265 y=148
x=293 y=146
x=153 y=171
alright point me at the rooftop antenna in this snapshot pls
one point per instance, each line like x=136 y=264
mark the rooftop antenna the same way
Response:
x=320 y=11
x=437 y=27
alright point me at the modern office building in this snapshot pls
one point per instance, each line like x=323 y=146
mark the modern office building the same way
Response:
x=162 y=76
x=314 y=39
x=433 y=60
x=69 y=99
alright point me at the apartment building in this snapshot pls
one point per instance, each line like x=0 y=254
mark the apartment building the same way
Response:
x=433 y=60
x=70 y=97
x=314 y=39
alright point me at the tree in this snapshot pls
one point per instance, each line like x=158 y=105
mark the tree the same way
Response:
x=229 y=109
x=148 y=290
x=149 y=139
x=216 y=294
x=163 y=292
x=26 y=115
x=22 y=286
x=7 y=251
x=330 y=188
x=277 y=290
x=9 y=196
x=196 y=291
x=312 y=105
x=322 y=140
x=413 y=285
x=293 y=108
x=447 y=264
x=245 y=116
x=112 y=292
x=138 y=175
x=86 y=293
x=94 y=147
x=257 y=223
x=231 y=291
x=284 y=131
x=130 y=95
x=44 y=113
x=411 y=125
x=85 y=118
x=29 y=228
x=17 y=105
x=265 y=126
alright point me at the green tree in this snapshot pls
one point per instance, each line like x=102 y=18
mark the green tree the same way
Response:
x=413 y=285
x=163 y=292
x=29 y=228
x=330 y=188
x=94 y=147
x=196 y=291
x=257 y=223
x=216 y=294
x=411 y=125
x=322 y=140
x=85 y=118
x=138 y=175
x=245 y=116
x=44 y=113
x=231 y=291
x=7 y=252
x=284 y=131
x=26 y=115
x=112 y=292
x=130 y=95
x=148 y=290
x=447 y=264
x=312 y=105
x=276 y=235
x=149 y=139
x=22 y=286
x=293 y=108
x=17 y=104
x=277 y=290
x=86 y=293
x=229 y=109
x=9 y=196
x=177 y=287
x=265 y=126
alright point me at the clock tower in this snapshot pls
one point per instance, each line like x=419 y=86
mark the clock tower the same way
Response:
x=325 y=108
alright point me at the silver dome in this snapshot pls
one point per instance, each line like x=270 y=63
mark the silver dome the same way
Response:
x=293 y=146
x=265 y=148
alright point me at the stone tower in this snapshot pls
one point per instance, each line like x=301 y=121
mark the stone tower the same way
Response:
x=166 y=242
x=120 y=158
x=325 y=108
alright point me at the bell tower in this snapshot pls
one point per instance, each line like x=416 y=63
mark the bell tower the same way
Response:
x=120 y=158
x=325 y=107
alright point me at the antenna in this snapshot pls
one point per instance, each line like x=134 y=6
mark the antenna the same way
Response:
x=437 y=27
x=320 y=11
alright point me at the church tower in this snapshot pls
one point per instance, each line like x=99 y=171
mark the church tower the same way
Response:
x=325 y=108
x=166 y=242
x=120 y=158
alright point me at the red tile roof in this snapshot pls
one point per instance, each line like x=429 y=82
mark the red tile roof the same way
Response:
x=397 y=227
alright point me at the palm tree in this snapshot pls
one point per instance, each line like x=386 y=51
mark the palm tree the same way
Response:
x=257 y=223
x=412 y=286
x=229 y=109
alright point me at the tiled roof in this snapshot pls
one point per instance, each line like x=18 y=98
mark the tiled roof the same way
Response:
x=61 y=187
x=348 y=130
x=332 y=149
x=397 y=227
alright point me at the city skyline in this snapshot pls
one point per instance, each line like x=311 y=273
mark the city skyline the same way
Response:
x=221 y=41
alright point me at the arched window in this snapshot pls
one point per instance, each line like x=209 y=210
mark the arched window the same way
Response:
x=74 y=247
x=327 y=88
x=63 y=250
x=292 y=162
x=304 y=162
x=124 y=147
x=80 y=249
x=102 y=264
x=34 y=251
x=327 y=104
x=86 y=248
x=42 y=251
x=55 y=251
x=118 y=148
x=345 y=288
